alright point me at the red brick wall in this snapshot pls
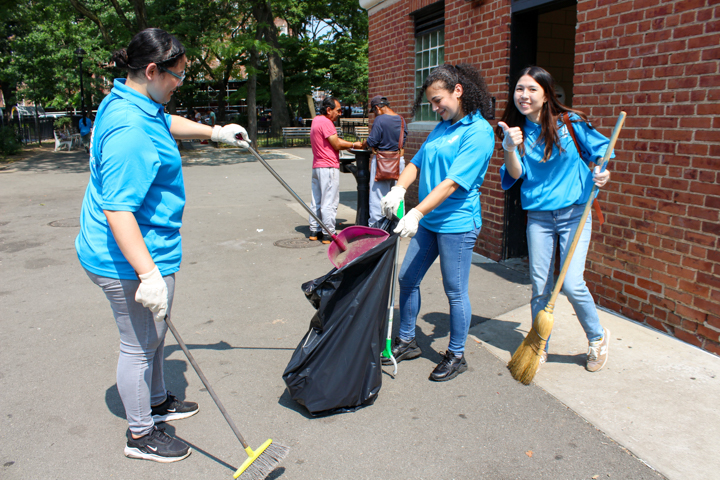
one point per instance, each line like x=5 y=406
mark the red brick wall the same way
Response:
x=656 y=259
x=475 y=32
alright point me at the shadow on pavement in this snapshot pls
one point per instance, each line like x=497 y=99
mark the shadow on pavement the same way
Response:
x=500 y=334
x=51 y=162
x=290 y=404
x=170 y=430
x=509 y=274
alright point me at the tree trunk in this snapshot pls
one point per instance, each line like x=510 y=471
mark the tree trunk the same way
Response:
x=171 y=106
x=251 y=94
x=140 y=14
x=262 y=11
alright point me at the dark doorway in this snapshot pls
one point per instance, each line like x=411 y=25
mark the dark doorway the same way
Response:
x=542 y=33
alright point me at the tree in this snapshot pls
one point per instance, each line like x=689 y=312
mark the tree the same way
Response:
x=262 y=11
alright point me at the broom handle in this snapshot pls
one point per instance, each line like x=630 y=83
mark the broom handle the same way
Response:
x=205 y=382
x=583 y=219
x=295 y=195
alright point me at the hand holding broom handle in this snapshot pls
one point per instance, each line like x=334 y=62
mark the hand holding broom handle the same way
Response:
x=525 y=361
x=583 y=219
x=335 y=238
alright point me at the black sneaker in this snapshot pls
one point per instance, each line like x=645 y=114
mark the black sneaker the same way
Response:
x=173 y=409
x=402 y=350
x=448 y=368
x=156 y=445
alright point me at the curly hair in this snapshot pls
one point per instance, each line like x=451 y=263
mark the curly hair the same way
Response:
x=475 y=95
x=551 y=111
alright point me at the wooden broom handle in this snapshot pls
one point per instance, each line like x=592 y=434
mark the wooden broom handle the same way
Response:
x=581 y=225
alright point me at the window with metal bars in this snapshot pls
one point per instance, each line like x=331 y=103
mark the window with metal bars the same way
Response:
x=429 y=50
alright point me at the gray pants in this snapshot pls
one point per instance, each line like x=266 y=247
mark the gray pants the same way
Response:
x=378 y=190
x=325 y=197
x=140 y=379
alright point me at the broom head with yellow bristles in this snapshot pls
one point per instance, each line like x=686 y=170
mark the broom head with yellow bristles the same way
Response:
x=525 y=361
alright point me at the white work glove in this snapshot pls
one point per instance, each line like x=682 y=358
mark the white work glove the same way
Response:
x=512 y=137
x=600 y=178
x=408 y=225
x=153 y=294
x=391 y=202
x=227 y=135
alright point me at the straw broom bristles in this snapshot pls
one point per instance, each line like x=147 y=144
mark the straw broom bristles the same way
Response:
x=525 y=361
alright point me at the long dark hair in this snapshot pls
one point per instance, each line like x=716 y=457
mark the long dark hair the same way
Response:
x=151 y=45
x=475 y=94
x=551 y=111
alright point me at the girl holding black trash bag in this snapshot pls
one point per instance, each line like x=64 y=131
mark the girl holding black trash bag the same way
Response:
x=129 y=241
x=538 y=134
x=450 y=167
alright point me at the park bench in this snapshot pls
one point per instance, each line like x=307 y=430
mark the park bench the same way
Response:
x=62 y=142
x=300 y=132
x=362 y=132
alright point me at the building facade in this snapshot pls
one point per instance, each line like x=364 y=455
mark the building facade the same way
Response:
x=656 y=259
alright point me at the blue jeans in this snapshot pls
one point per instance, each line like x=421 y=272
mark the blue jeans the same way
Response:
x=544 y=229
x=455 y=250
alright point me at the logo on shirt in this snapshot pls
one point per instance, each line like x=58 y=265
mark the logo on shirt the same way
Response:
x=453 y=139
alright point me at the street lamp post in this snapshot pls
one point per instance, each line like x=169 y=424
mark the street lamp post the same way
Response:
x=80 y=53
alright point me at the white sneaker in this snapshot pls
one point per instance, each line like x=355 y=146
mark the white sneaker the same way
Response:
x=597 y=355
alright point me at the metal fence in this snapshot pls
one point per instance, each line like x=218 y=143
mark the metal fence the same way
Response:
x=30 y=131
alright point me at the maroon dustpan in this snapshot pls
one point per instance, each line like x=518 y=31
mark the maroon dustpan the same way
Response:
x=356 y=240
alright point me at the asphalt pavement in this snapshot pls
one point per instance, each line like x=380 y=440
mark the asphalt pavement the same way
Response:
x=239 y=307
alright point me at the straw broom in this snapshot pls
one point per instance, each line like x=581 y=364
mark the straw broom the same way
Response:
x=525 y=361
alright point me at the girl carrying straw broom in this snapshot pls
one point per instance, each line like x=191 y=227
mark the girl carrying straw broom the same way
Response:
x=557 y=182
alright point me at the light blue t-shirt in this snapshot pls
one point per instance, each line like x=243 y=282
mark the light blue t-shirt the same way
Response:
x=85 y=125
x=135 y=166
x=460 y=152
x=565 y=179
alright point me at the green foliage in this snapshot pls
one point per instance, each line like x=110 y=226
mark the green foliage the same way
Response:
x=37 y=60
x=327 y=50
x=326 y=47
x=9 y=144
x=61 y=123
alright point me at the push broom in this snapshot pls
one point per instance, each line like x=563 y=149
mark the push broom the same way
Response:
x=260 y=462
x=525 y=361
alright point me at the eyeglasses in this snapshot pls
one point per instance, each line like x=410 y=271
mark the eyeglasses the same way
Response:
x=180 y=77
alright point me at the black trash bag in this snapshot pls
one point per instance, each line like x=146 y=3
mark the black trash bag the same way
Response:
x=336 y=367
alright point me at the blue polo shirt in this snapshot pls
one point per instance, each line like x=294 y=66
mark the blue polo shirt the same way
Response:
x=460 y=152
x=565 y=179
x=135 y=166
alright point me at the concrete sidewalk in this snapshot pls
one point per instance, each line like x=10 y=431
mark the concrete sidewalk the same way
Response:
x=239 y=308
x=657 y=396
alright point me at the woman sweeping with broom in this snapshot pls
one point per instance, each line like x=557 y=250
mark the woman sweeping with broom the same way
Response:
x=537 y=133
x=129 y=242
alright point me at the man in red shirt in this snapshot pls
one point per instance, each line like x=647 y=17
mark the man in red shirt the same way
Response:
x=326 y=146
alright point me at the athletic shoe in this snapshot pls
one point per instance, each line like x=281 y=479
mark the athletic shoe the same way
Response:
x=157 y=446
x=597 y=355
x=326 y=242
x=313 y=236
x=173 y=409
x=448 y=368
x=402 y=350
x=543 y=359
